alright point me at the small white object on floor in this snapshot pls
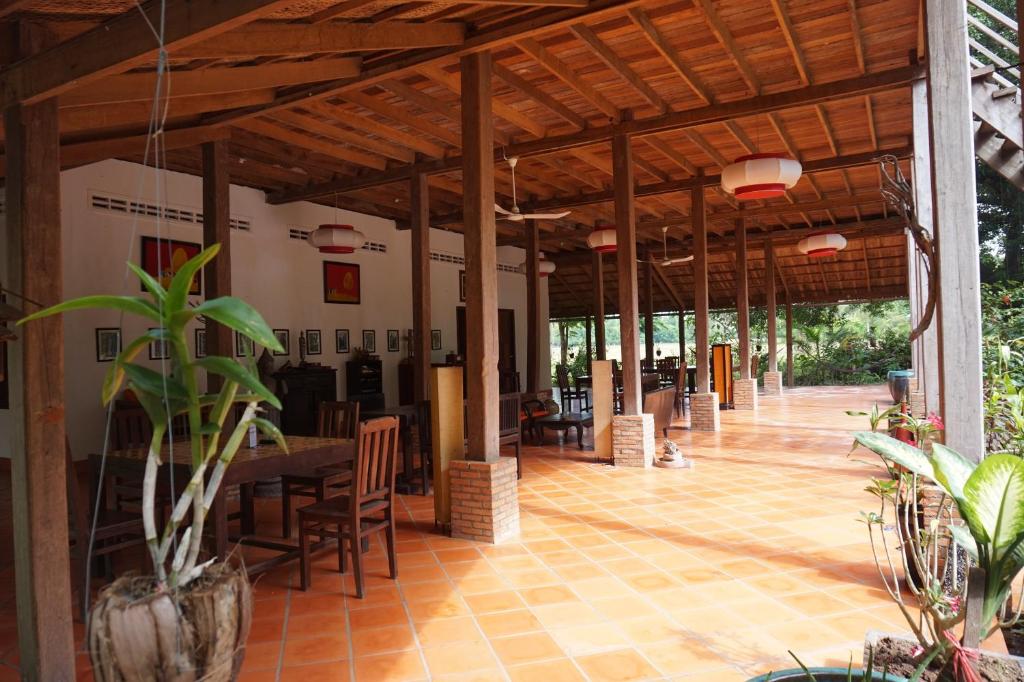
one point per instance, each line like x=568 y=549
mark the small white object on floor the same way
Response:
x=673 y=458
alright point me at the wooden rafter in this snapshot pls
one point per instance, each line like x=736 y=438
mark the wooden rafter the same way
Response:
x=559 y=69
x=778 y=6
x=619 y=66
x=300 y=139
x=725 y=37
x=528 y=89
x=858 y=39
x=331 y=131
x=501 y=110
x=671 y=55
x=403 y=116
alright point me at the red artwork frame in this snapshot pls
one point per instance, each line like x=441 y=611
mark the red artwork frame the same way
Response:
x=341 y=283
x=169 y=255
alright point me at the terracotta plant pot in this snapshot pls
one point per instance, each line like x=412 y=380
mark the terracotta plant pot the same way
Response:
x=137 y=635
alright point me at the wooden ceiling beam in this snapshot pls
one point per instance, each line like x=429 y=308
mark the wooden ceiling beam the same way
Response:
x=732 y=50
x=9 y=7
x=670 y=54
x=122 y=43
x=332 y=11
x=329 y=130
x=856 y=34
x=558 y=68
x=618 y=65
x=278 y=132
x=528 y=89
x=790 y=36
x=133 y=87
x=273 y=38
x=676 y=120
x=453 y=82
x=404 y=117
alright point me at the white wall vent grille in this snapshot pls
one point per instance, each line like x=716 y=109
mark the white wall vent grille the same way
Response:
x=298 y=233
x=177 y=214
x=455 y=259
x=505 y=267
x=376 y=247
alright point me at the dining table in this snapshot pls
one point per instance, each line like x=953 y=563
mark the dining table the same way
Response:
x=266 y=460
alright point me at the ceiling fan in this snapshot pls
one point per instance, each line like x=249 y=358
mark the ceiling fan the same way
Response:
x=515 y=214
x=665 y=260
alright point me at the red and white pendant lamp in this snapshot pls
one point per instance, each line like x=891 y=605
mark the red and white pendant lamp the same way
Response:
x=545 y=267
x=602 y=239
x=822 y=244
x=334 y=238
x=760 y=176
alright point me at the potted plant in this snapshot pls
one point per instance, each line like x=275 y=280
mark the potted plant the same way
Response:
x=188 y=620
x=848 y=674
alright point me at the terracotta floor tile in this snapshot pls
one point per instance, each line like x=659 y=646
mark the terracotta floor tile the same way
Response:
x=580 y=640
x=623 y=665
x=452 y=605
x=490 y=602
x=526 y=648
x=405 y=666
x=378 y=616
x=508 y=623
x=315 y=650
x=261 y=655
x=459 y=657
x=446 y=630
x=549 y=594
x=559 y=670
x=563 y=615
x=367 y=642
x=316 y=625
x=686 y=656
x=322 y=672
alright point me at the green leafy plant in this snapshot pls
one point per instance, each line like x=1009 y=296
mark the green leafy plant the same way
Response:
x=989 y=497
x=166 y=396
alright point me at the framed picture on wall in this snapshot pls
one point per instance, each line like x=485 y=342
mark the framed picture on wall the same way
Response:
x=394 y=342
x=158 y=349
x=244 y=346
x=369 y=341
x=201 y=342
x=283 y=337
x=313 y=342
x=162 y=258
x=341 y=341
x=108 y=343
x=341 y=283
x=462 y=285
x=435 y=339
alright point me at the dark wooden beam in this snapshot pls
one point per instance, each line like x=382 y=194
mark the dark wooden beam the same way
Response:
x=597 y=279
x=649 y=308
x=533 y=321
x=217 y=230
x=625 y=234
x=698 y=212
x=419 y=201
x=789 y=341
x=481 y=259
x=742 y=299
x=769 y=285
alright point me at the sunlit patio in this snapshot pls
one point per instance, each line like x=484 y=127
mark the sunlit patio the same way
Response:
x=620 y=574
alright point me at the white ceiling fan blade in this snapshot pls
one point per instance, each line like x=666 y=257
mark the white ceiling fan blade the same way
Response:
x=546 y=216
x=501 y=210
x=677 y=261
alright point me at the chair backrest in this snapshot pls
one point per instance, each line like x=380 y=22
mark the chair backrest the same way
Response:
x=508 y=414
x=660 y=403
x=337 y=419
x=681 y=380
x=646 y=365
x=130 y=427
x=562 y=375
x=376 y=453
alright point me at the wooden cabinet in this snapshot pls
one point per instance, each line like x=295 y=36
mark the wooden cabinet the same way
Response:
x=302 y=389
x=721 y=373
x=406 y=379
x=364 y=383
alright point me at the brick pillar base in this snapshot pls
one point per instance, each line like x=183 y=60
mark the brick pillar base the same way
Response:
x=633 y=440
x=485 y=500
x=704 y=412
x=917 y=406
x=744 y=394
x=773 y=383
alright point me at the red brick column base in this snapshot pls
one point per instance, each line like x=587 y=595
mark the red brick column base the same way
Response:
x=744 y=394
x=773 y=383
x=705 y=414
x=633 y=440
x=485 y=500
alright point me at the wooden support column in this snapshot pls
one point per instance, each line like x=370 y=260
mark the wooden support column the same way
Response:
x=698 y=216
x=772 y=312
x=682 y=336
x=533 y=322
x=742 y=299
x=419 y=204
x=590 y=343
x=625 y=235
x=955 y=227
x=37 y=439
x=649 y=309
x=789 y=342
x=597 y=277
x=481 y=258
x=217 y=230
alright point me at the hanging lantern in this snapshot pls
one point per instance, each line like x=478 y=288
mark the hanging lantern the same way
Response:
x=331 y=238
x=544 y=269
x=761 y=176
x=602 y=239
x=822 y=244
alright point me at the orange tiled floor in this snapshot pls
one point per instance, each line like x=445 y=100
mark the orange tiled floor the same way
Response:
x=704 y=574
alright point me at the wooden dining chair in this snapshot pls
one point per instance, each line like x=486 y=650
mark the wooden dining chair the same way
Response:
x=681 y=390
x=365 y=509
x=334 y=420
x=568 y=394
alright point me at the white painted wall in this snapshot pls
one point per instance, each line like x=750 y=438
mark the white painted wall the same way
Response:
x=282 y=277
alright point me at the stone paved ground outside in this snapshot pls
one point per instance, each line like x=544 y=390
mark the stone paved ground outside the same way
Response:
x=620 y=574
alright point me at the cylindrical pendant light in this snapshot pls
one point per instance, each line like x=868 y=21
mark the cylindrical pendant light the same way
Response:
x=331 y=238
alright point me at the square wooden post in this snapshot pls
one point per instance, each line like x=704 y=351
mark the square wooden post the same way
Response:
x=789 y=342
x=481 y=258
x=597 y=279
x=745 y=388
x=704 y=404
x=217 y=230
x=533 y=321
x=649 y=309
x=419 y=202
x=772 y=377
x=625 y=234
x=37 y=439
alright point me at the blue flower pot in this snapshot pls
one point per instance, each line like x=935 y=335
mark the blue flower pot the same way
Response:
x=824 y=675
x=899 y=382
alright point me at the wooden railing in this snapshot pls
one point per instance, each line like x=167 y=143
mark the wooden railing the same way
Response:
x=994 y=40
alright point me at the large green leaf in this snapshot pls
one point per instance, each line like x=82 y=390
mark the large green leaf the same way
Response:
x=994 y=495
x=115 y=375
x=951 y=469
x=154 y=287
x=228 y=368
x=154 y=383
x=270 y=429
x=899 y=452
x=242 y=317
x=133 y=305
x=963 y=537
x=177 y=293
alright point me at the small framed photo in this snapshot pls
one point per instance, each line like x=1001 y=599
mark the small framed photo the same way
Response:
x=201 y=342
x=313 y=342
x=394 y=341
x=243 y=346
x=284 y=338
x=158 y=350
x=108 y=344
x=435 y=339
x=369 y=341
x=341 y=344
x=462 y=286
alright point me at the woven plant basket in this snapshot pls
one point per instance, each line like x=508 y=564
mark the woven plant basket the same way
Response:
x=138 y=635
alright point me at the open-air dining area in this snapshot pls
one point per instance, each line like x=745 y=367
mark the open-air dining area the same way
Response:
x=439 y=340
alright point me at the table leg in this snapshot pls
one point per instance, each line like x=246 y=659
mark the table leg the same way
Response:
x=219 y=518
x=245 y=501
x=579 y=435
